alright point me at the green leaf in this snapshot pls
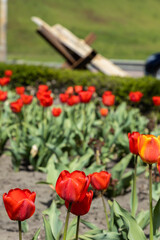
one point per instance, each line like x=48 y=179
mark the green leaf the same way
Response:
x=143 y=218
x=48 y=231
x=55 y=222
x=156 y=218
x=24 y=225
x=36 y=234
x=72 y=229
x=131 y=226
x=119 y=168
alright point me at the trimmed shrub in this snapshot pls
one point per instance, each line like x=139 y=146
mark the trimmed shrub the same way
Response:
x=59 y=79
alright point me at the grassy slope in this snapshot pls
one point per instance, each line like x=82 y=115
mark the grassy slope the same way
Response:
x=125 y=29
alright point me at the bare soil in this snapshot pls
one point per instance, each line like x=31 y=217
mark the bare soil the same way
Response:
x=28 y=179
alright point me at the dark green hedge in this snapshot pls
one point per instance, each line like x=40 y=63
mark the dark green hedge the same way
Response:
x=60 y=79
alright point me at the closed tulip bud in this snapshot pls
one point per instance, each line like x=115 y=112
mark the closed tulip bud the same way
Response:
x=133 y=142
x=72 y=100
x=3 y=96
x=107 y=93
x=19 y=204
x=43 y=88
x=4 y=81
x=91 y=89
x=85 y=96
x=78 y=88
x=156 y=100
x=108 y=100
x=56 y=112
x=63 y=97
x=82 y=207
x=26 y=99
x=72 y=187
x=149 y=148
x=70 y=90
x=16 y=106
x=100 y=180
x=104 y=112
x=8 y=73
x=135 y=96
x=20 y=90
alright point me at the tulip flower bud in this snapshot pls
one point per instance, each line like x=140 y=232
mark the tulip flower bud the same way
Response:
x=72 y=186
x=82 y=207
x=19 y=204
x=149 y=148
x=101 y=180
x=133 y=142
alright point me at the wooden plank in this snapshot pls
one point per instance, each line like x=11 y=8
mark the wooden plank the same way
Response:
x=107 y=67
x=78 y=49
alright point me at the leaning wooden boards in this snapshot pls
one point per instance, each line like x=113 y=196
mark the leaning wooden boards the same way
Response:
x=76 y=51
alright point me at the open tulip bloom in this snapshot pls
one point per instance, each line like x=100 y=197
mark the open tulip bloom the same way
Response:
x=149 y=151
x=72 y=187
x=19 y=205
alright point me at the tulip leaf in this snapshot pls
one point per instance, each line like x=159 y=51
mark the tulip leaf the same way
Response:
x=119 y=168
x=130 y=224
x=156 y=217
x=48 y=231
x=36 y=234
x=71 y=229
x=156 y=191
x=25 y=226
x=54 y=221
x=143 y=218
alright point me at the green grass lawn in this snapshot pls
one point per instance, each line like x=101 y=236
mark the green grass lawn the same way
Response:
x=125 y=29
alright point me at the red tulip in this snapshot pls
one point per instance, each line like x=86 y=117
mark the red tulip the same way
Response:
x=72 y=100
x=81 y=208
x=156 y=100
x=135 y=96
x=20 y=90
x=101 y=180
x=107 y=93
x=4 y=81
x=43 y=88
x=91 y=89
x=19 y=204
x=56 y=112
x=104 y=112
x=149 y=148
x=63 y=97
x=16 y=106
x=85 y=96
x=40 y=94
x=78 y=89
x=8 y=73
x=3 y=95
x=46 y=100
x=70 y=90
x=26 y=99
x=108 y=100
x=133 y=142
x=72 y=186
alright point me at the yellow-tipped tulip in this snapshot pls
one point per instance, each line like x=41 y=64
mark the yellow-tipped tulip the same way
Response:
x=149 y=148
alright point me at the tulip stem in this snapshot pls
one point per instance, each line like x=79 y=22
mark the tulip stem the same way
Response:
x=105 y=210
x=134 y=188
x=66 y=223
x=77 y=230
x=150 y=201
x=20 y=230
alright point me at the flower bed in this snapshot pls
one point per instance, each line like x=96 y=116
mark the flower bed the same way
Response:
x=84 y=132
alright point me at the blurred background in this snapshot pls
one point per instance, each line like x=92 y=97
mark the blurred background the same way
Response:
x=124 y=29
